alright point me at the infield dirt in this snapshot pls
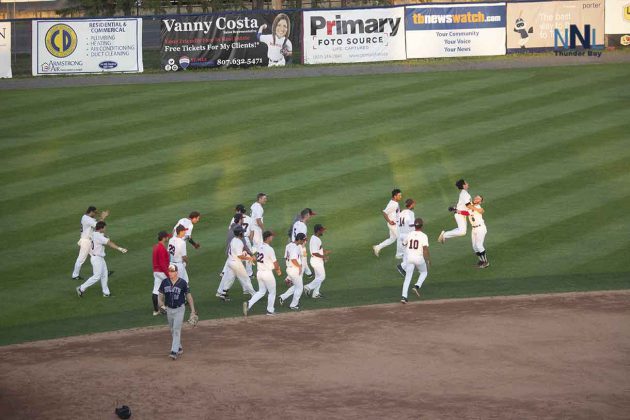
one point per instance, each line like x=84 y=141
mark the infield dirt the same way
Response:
x=544 y=356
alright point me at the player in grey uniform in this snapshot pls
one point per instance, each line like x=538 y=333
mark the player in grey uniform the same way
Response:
x=97 y=258
x=267 y=262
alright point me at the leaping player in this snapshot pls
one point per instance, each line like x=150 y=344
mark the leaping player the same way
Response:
x=463 y=204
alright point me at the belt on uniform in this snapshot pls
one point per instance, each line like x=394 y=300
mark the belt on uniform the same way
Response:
x=476 y=226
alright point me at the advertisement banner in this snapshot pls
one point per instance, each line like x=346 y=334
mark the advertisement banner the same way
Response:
x=354 y=36
x=87 y=46
x=5 y=50
x=455 y=30
x=533 y=25
x=618 y=17
x=230 y=40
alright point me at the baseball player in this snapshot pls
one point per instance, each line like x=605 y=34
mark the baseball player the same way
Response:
x=223 y=289
x=246 y=222
x=258 y=226
x=236 y=255
x=416 y=256
x=293 y=258
x=299 y=226
x=174 y=293
x=463 y=203
x=390 y=214
x=177 y=251
x=97 y=258
x=160 y=267
x=405 y=227
x=267 y=263
x=319 y=256
x=189 y=223
x=88 y=223
x=479 y=230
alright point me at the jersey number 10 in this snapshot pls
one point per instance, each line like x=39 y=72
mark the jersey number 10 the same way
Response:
x=414 y=244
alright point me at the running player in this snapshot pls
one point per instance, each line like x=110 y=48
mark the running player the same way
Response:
x=390 y=214
x=319 y=256
x=237 y=254
x=299 y=226
x=417 y=256
x=88 y=223
x=189 y=223
x=293 y=258
x=177 y=250
x=267 y=262
x=97 y=258
x=258 y=226
x=463 y=203
x=405 y=227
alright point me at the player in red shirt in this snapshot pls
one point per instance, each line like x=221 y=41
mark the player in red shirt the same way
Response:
x=160 y=267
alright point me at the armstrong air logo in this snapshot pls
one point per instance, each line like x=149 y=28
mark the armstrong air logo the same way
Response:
x=61 y=40
x=626 y=12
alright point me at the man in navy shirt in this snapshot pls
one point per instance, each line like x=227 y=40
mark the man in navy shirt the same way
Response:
x=174 y=293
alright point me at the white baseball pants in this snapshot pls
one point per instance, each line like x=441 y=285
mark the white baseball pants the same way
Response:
x=266 y=283
x=320 y=275
x=304 y=262
x=236 y=270
x=421 y=266
x=295 y=290
x=400 y=247
x=393 y=236
x=175 y=321
x=158 y=277
x=84 y=250
x=460 y=230
x=100 y=273
x=478 y=235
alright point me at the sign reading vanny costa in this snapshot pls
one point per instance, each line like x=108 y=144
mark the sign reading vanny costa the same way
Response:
x=354 y=36
x=87 y=46
x=455 y=30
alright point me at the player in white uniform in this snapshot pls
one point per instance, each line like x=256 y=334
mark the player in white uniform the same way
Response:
x=236 y=255
x=88 y=223
x=299 y=226
x=97 y=258
x=319 y=256
x=479 y=230
x=417 y=257
x=177 y=251
x=227 y=281
x=463 y=203
x=246 y=222
x=189 y=223
x=267 y=263
x=279 y=47
x=405 y=227
x=293 y=258
x=258 y=226
x=390 y=213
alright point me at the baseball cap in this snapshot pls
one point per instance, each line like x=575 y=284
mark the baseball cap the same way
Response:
x=172 y=267
x=180 y=228
x=240 y=208
x=163 y=234
x=300 y=237
x=318 y=227
x=238 y=230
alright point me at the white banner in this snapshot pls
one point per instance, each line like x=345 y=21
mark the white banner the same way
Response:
x=5 y=50
x=87 y=46
x=354 y=36
x=455 y=30
x=618 y=17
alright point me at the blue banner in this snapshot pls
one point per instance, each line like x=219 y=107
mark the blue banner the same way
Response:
x=426 y=18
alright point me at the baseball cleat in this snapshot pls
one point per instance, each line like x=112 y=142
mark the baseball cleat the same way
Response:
x=245 y=308
x=280 y=300
x=156 y=313
x=294 y=308
x=441 y=238
x=79 y=292
x=416 y=289
x=173 y=355
x=271 y=313
x=485 y=265
x=401 y=270
x=404 y=300
x=319 y=296
x=77 y=278
x=307 y=291
x=376 y=250
x=180 y=351
x=106 y=295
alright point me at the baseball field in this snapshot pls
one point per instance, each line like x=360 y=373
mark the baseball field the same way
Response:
x=547 y=147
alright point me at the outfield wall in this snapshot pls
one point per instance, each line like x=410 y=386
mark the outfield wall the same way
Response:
x=326 y=36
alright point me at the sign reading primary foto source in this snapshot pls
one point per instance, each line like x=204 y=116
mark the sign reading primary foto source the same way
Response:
x=455 y=30
x=230 y=40
x=87 y=46
x=354 y=36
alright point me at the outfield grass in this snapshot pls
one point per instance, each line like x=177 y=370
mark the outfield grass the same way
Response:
x=548 y=148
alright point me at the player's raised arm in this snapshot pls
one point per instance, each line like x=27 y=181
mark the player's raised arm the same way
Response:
x=111 y=244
